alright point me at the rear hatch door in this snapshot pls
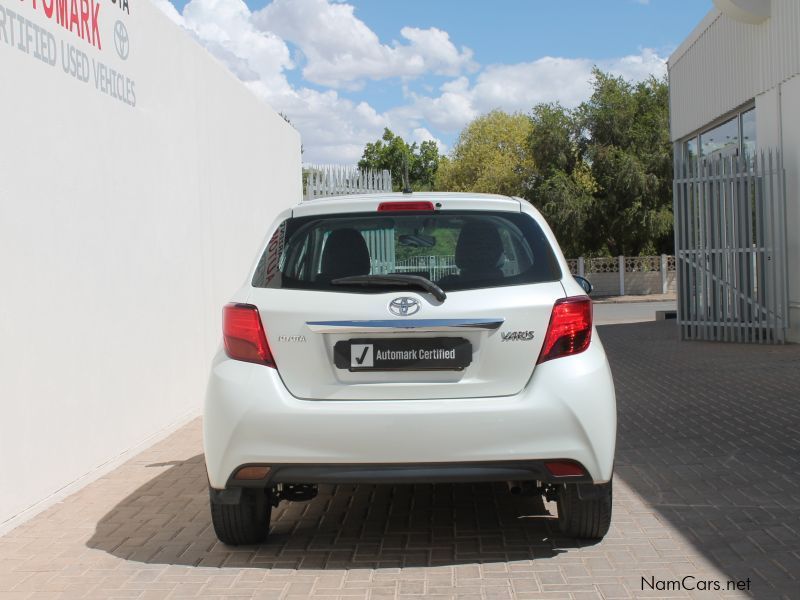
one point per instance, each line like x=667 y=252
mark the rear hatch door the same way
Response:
x=477 y=343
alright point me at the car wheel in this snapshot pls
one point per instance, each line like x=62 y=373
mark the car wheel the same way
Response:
x=585 y=514
x=245 y=522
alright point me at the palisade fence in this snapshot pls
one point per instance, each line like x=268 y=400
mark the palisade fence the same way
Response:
x=337 y=180
x=730 y=239
x=437 y=266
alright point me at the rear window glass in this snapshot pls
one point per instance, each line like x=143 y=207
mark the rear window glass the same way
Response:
x=455 y=250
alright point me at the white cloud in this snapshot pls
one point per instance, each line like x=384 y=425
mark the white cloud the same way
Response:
x=448 y=111
x=341 y=51
x=519 y=87
x=638 y=66
x=333 y=128
x=338 y=50
x=225 y=27
x=549 y=79
x=421 y=134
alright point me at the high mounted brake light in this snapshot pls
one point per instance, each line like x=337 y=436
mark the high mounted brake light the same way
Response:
x=570 y=329
x=397 y=206
x=244 y=335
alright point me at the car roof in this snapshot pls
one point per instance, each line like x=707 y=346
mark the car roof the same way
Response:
x=370 y=202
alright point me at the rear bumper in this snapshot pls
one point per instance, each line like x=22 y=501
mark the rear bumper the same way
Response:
x=520 y=470
x=566 y=411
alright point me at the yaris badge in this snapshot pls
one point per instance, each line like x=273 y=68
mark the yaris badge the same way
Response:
x=404 y=306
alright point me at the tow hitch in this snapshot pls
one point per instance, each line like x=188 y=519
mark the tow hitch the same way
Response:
x=294 y=492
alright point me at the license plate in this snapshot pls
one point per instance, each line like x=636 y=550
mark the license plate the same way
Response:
x=405 y=354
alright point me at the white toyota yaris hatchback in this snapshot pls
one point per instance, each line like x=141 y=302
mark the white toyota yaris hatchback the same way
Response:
x=405 y=338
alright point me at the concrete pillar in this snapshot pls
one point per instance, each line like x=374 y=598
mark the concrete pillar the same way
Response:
x=621 y=262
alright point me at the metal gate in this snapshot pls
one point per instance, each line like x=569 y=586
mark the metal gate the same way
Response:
x=730 y=243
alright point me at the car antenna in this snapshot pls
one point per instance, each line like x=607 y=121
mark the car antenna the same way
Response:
x=406 y=186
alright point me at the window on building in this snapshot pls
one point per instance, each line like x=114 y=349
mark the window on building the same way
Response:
x=749 y=132
x=690 y=149
x=722 y=139
x=736 y=136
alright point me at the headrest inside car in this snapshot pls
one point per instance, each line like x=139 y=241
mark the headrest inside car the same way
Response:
x=345 y=254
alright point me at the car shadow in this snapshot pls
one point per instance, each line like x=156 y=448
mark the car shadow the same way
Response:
x=167 y=521
x=708 y=437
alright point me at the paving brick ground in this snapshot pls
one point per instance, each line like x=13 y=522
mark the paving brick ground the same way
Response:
x=707 y=486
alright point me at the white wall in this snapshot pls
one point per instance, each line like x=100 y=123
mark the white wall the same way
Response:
x=123 y=230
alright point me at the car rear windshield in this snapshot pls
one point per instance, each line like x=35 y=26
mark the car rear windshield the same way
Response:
x=456 y=250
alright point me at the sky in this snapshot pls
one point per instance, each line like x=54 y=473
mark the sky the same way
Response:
x=342 y=71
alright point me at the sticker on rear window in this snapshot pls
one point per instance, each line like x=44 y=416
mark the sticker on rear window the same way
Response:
x=268 y=272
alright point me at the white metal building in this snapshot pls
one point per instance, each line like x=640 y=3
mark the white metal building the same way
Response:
x=735 y=90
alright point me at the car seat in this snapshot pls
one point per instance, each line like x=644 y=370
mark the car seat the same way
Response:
x=345 y=254
x=478 y=254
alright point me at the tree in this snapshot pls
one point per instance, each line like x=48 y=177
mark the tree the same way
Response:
x=604 y=177
x=422 y=171
x=629 y=151
x=563 y=186
x=491 y=155
x=553 y=139
x=391 y=152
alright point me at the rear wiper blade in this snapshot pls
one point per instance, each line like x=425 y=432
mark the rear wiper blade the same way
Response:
x=403 y=280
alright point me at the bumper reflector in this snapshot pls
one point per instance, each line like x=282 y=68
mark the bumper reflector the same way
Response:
x=251 y=473
x=564 y=468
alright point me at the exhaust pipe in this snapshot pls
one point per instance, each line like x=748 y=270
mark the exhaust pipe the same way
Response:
x=515 y=487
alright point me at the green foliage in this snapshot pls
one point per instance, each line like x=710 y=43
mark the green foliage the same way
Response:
x=604 y=170
x=567 y=205
x=552 y=139
x=422 y=170
x=491 y=155
x=393 y=153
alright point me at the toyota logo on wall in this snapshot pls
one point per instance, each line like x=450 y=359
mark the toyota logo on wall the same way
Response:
x=121 y=40
x=404 y=306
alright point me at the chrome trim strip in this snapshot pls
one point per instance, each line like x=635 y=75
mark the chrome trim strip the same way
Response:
x=400 y=325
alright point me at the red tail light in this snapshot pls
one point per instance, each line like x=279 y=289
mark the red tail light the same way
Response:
x=244 y=335
x=395 y=206
x=570 y=329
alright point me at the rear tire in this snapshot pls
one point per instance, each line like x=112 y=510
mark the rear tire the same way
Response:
x=246 y=522
x=588 y=517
